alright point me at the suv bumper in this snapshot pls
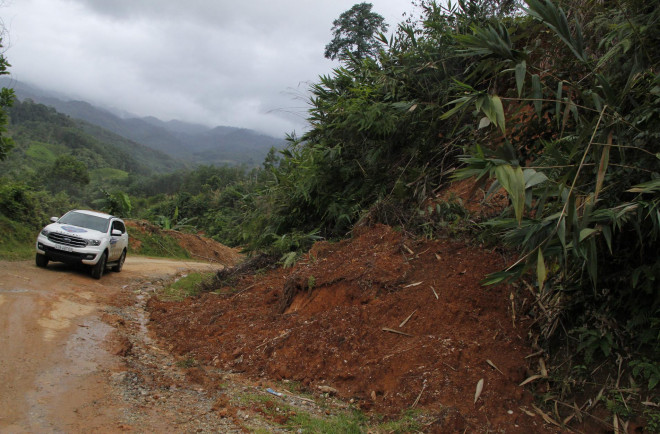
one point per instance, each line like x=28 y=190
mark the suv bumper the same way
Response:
x=66 y=254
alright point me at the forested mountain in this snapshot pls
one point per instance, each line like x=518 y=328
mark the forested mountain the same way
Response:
x=57 y=163
x=41 y=131
x=193 y=143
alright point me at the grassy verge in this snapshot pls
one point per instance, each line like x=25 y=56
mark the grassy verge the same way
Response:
x=186 y=286
x=342 y=421
x=155 y=244
x=17 y=240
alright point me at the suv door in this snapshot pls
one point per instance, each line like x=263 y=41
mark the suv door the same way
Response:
x=116 y=246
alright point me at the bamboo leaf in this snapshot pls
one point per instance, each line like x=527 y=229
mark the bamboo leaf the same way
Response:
x=458 y=106
x=498 y=109
x=602 y=167
x=561 y=232
x=513 y=181
x=494 y=367
x=542 y=367
x=586 y=233
x=521 y=70
x=579 y=42
x=495 y=278
x=560 y=88
x=530 y=379
x=541 y=273
x=646 y=187
x=480 y=388
x=635 y=277
x=537 y=94
x=555 y=19
x=533 y=178
x=607 y=233
x=484 y=104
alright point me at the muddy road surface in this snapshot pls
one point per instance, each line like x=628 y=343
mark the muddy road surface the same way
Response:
x=64 y=367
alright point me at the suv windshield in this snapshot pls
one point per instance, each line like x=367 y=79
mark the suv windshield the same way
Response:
x=85 y=221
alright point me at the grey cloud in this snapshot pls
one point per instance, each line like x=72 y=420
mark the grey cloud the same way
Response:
x=233 y=63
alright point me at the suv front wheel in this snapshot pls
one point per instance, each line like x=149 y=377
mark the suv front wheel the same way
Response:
x=41 y=260
x=99 y=268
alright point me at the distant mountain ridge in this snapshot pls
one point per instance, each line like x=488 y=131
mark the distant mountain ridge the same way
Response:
x=194 y=143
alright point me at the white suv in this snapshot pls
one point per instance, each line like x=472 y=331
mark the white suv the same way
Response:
x=88 y=237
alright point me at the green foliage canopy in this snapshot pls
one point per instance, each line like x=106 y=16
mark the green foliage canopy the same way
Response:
x=354 y=33
x=573 y=140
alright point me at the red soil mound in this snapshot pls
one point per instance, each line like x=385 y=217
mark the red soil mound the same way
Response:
x=198 y=246
x=343 y=326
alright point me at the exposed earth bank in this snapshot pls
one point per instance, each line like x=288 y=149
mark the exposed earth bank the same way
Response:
x=383 y=322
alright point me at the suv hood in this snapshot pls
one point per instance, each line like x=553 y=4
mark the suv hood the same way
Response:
x=74 y=230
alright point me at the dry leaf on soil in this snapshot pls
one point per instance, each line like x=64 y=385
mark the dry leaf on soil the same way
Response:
x=494 y=367
x=530 y=379
x=480 y=388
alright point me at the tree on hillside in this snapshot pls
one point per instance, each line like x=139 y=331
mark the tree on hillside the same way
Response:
x=355 y=33
x=6 y=100
x=67 y=174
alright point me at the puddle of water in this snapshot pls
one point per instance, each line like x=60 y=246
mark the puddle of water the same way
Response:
x=84 y=348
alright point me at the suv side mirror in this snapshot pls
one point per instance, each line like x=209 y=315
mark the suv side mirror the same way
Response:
x=116 y=233
x=54 y=219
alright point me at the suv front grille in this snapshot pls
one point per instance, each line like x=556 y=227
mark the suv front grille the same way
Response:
x=67 y=240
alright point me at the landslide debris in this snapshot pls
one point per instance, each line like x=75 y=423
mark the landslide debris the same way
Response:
x=385 y=322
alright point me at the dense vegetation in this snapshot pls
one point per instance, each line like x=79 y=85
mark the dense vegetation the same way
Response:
x=556 y=103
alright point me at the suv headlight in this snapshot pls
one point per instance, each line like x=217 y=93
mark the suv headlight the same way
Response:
x=93 y=242
x=45 y=232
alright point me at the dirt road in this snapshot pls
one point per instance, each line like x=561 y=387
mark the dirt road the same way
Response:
x=61 y=369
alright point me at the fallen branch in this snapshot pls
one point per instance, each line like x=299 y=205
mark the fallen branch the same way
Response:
x=449 y=366
x=243 y=290
x=282 y=336
x=546 y=417
x=418 y=396
x=406 y=320
x=535 y=354
x=386 y=329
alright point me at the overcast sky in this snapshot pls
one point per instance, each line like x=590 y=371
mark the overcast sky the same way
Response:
x=216 y=62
